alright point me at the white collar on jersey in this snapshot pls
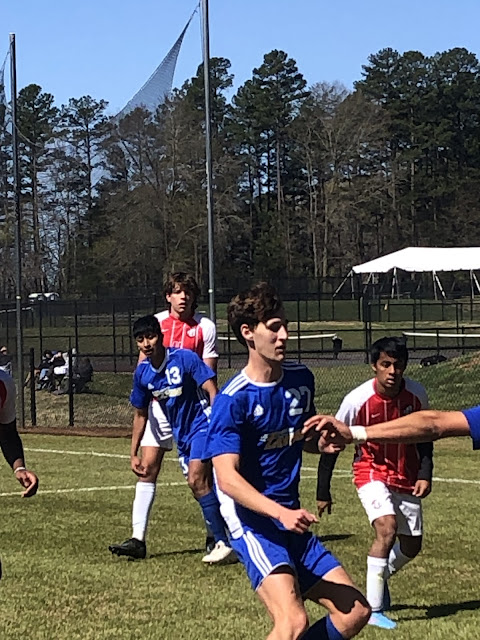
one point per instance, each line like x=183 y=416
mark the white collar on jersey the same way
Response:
x=263 y=384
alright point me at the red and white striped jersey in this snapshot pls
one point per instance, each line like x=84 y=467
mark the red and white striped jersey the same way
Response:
x=396 y=465
x=7 y=398
x=197 y=334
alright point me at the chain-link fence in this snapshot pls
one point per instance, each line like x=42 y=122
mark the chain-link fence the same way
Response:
x=331 y=336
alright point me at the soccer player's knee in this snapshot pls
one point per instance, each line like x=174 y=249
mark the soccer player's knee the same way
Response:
x=292 y=623
x=198 y=485
x=354 y=621
x=386 y=529
x=151 y=472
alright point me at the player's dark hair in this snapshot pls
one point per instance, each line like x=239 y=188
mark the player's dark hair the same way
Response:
x=257 y=304
x=394 y=346
x=186 y=282
x=146 y=325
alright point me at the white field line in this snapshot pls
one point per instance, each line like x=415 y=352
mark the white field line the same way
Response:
x=97 y=454
x=340 y=472
x=90 y=489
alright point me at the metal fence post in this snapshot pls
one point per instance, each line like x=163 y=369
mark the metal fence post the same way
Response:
x=71 y=416
x=229 y=347
x=76 y=326
x=299 y=336
x=33 y=398
x=114 y=337
x=366 y=327
x=40 y=326
x=130 y=341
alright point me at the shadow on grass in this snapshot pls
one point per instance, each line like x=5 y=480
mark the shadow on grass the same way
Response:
x=183 y=552
x=437 y=610
x=335 y=536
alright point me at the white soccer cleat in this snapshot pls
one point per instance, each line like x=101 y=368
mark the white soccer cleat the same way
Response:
x=220 y=554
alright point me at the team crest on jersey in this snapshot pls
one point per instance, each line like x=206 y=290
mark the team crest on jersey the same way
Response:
x=191 y=333
x=258 y=411
x=408 y=410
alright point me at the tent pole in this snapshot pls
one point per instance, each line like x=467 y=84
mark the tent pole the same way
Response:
x=394 y=279
x=476 y=282
x=338 y=289
x=365 y=286
x=439 y=285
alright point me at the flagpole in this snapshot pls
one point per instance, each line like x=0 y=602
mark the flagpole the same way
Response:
x=208 y=162
x=18 y=234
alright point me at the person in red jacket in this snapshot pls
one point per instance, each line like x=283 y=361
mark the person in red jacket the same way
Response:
x=390 y=479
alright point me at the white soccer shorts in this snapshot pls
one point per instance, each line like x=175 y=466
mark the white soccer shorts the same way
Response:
x=158 y=432
x=378 y=500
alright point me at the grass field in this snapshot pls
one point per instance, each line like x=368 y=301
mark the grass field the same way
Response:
x=60 y=582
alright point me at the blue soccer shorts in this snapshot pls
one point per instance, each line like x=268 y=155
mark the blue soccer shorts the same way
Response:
x=192 y=450
x=261 y=552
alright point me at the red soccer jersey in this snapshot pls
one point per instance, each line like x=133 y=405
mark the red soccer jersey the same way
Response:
x=396 y=465
x=197 y=334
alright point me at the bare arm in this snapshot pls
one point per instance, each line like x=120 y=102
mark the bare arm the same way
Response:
x=234 y=485
x=140 y=418
x=421 y=426
x=210 y=387
x=212 y=363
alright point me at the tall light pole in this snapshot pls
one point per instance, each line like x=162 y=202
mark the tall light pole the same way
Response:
x=208 y=162
x=18 y=233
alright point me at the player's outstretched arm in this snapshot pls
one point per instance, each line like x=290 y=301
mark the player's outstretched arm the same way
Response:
x=421 y=426
x=234 y=485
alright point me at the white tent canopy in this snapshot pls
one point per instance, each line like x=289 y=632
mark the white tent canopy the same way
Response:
x=420 y=259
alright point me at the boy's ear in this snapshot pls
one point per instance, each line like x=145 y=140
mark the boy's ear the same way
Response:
x=247 y=332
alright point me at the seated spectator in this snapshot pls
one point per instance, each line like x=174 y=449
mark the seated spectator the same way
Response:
x=42 y=371
x=5 y=360
x=60 y=364
x=82 y=374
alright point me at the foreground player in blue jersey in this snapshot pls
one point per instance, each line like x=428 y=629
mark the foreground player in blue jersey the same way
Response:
x=255 y=441
x=181 y=383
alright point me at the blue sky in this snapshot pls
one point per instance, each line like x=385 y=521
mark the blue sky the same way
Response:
x=108 y=48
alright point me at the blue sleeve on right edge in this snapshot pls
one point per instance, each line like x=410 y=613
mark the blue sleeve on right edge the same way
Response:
x=473 y=418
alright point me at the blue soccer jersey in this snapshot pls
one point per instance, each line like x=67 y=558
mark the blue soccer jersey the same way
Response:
x=262 y=423
x=176 y=386
x=473 y=418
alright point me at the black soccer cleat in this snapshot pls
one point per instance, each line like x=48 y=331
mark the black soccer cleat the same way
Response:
x=132 y=548
x=209 y=544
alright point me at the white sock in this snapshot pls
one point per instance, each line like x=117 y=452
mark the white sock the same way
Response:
x=396 y=560
x=376 y=571
x=144 y=497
